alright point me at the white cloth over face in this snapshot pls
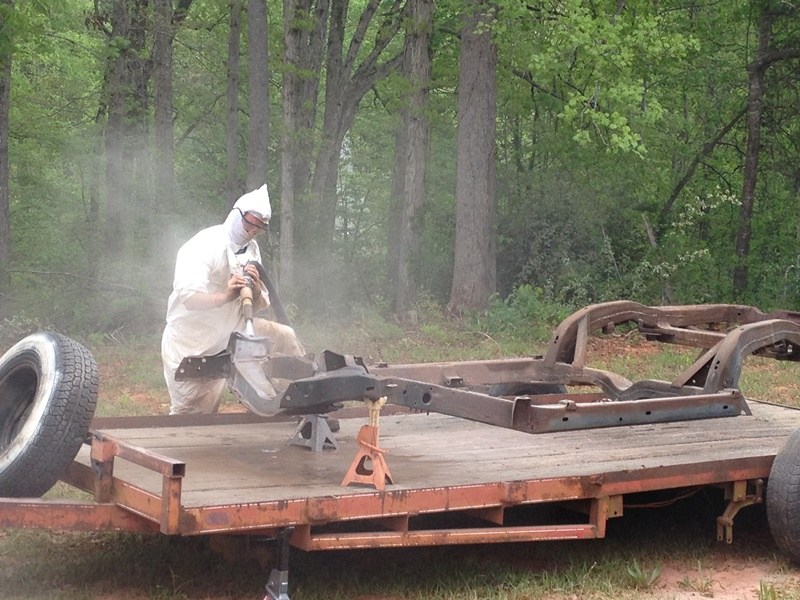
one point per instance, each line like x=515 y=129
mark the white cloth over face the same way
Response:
x=204 y=264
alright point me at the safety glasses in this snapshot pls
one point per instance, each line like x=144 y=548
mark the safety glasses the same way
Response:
x=251 y=224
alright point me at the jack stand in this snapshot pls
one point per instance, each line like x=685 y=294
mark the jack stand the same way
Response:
x=314 y=432
x=369 y=453
x=278 y=584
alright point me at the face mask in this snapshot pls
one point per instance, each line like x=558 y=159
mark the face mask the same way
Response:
x=236 y=231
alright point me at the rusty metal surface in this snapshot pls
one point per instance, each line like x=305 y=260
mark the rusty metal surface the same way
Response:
x=728 y=333
x=570 y=415
x=69 y=516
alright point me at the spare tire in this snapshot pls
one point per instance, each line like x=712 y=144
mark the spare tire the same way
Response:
x=48 y=393
x=783 y=497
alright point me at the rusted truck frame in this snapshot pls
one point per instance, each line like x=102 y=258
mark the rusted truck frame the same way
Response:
x=708 y=388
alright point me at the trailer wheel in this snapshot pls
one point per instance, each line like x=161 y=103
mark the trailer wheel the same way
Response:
x=783 y=497
x=48 y=393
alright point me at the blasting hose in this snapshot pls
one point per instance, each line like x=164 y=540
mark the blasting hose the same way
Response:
x=274 y=299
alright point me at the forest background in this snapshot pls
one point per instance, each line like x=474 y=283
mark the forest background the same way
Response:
x=476 y=156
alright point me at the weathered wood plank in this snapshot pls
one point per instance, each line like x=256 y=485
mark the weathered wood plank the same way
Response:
x=250 y=463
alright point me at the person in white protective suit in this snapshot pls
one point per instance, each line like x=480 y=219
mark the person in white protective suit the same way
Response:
x=204 y=307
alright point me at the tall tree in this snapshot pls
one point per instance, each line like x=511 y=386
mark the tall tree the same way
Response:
x=6 y=6
x=474 y=268
x=258 y=88
x=117 y=180
x=347 y=81
x=409 y=189
x=232 y=133
x=163 y=166
x=304 y=29
x=130 y=26
x=766 y=55
x=128 y=180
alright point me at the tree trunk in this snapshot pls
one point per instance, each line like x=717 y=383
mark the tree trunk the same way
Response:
x=411 y=156
x=755 y=96
x=232 y=137
x=346 y=84
x=302 y=65
x=347 y=81
x=163 y=166
x=117 y=183
x=129 y=191
x=140 y=201
x=6 y=52
x=258 y=85
x=474 y=268
x=756 y=70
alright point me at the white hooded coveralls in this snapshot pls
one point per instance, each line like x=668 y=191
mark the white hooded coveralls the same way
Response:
x=204 y=264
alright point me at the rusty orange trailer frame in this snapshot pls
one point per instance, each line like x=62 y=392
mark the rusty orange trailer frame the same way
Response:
x=117 y=504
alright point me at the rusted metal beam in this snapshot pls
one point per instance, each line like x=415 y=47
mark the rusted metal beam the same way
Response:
x=401 y=503
x=164 y=509
x=70 y=516
x=302 y=538
x=569 y=415
x=700 y=326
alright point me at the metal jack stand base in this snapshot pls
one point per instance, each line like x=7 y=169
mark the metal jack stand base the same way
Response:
x=315 y=433
x=369 y=466
x=278 y=584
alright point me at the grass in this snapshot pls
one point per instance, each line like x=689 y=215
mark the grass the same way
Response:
x=625 y=565
x=628 y=564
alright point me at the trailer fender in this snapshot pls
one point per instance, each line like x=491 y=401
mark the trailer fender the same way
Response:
x=783 y=497
x=48 y=394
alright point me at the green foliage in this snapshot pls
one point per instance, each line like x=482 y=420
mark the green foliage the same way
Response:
x=766 y=591
x=603 y=110
x=525 y=314
x=14 y=328
x=643 y=578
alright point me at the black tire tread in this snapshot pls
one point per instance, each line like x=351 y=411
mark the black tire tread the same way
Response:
x=63 y=427
x=783 y=497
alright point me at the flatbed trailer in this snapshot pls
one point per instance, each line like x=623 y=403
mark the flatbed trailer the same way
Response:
x=560 y=464
x=235 y=474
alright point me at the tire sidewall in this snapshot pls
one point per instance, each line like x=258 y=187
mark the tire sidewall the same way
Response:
x=38 y=353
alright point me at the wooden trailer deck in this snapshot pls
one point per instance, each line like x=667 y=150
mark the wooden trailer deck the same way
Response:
x=238 y=474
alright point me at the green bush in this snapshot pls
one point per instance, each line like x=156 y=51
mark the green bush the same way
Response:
x=526 y=313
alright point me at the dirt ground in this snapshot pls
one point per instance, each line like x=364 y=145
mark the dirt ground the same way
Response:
x=726 y=579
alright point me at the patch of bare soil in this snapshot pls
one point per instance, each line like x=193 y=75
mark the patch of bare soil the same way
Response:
x=727 y=579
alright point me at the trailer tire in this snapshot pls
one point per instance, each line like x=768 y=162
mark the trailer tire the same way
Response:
x=783 y=497
x=48 y=394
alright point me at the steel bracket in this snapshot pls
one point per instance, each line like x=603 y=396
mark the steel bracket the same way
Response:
x=738 y=498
